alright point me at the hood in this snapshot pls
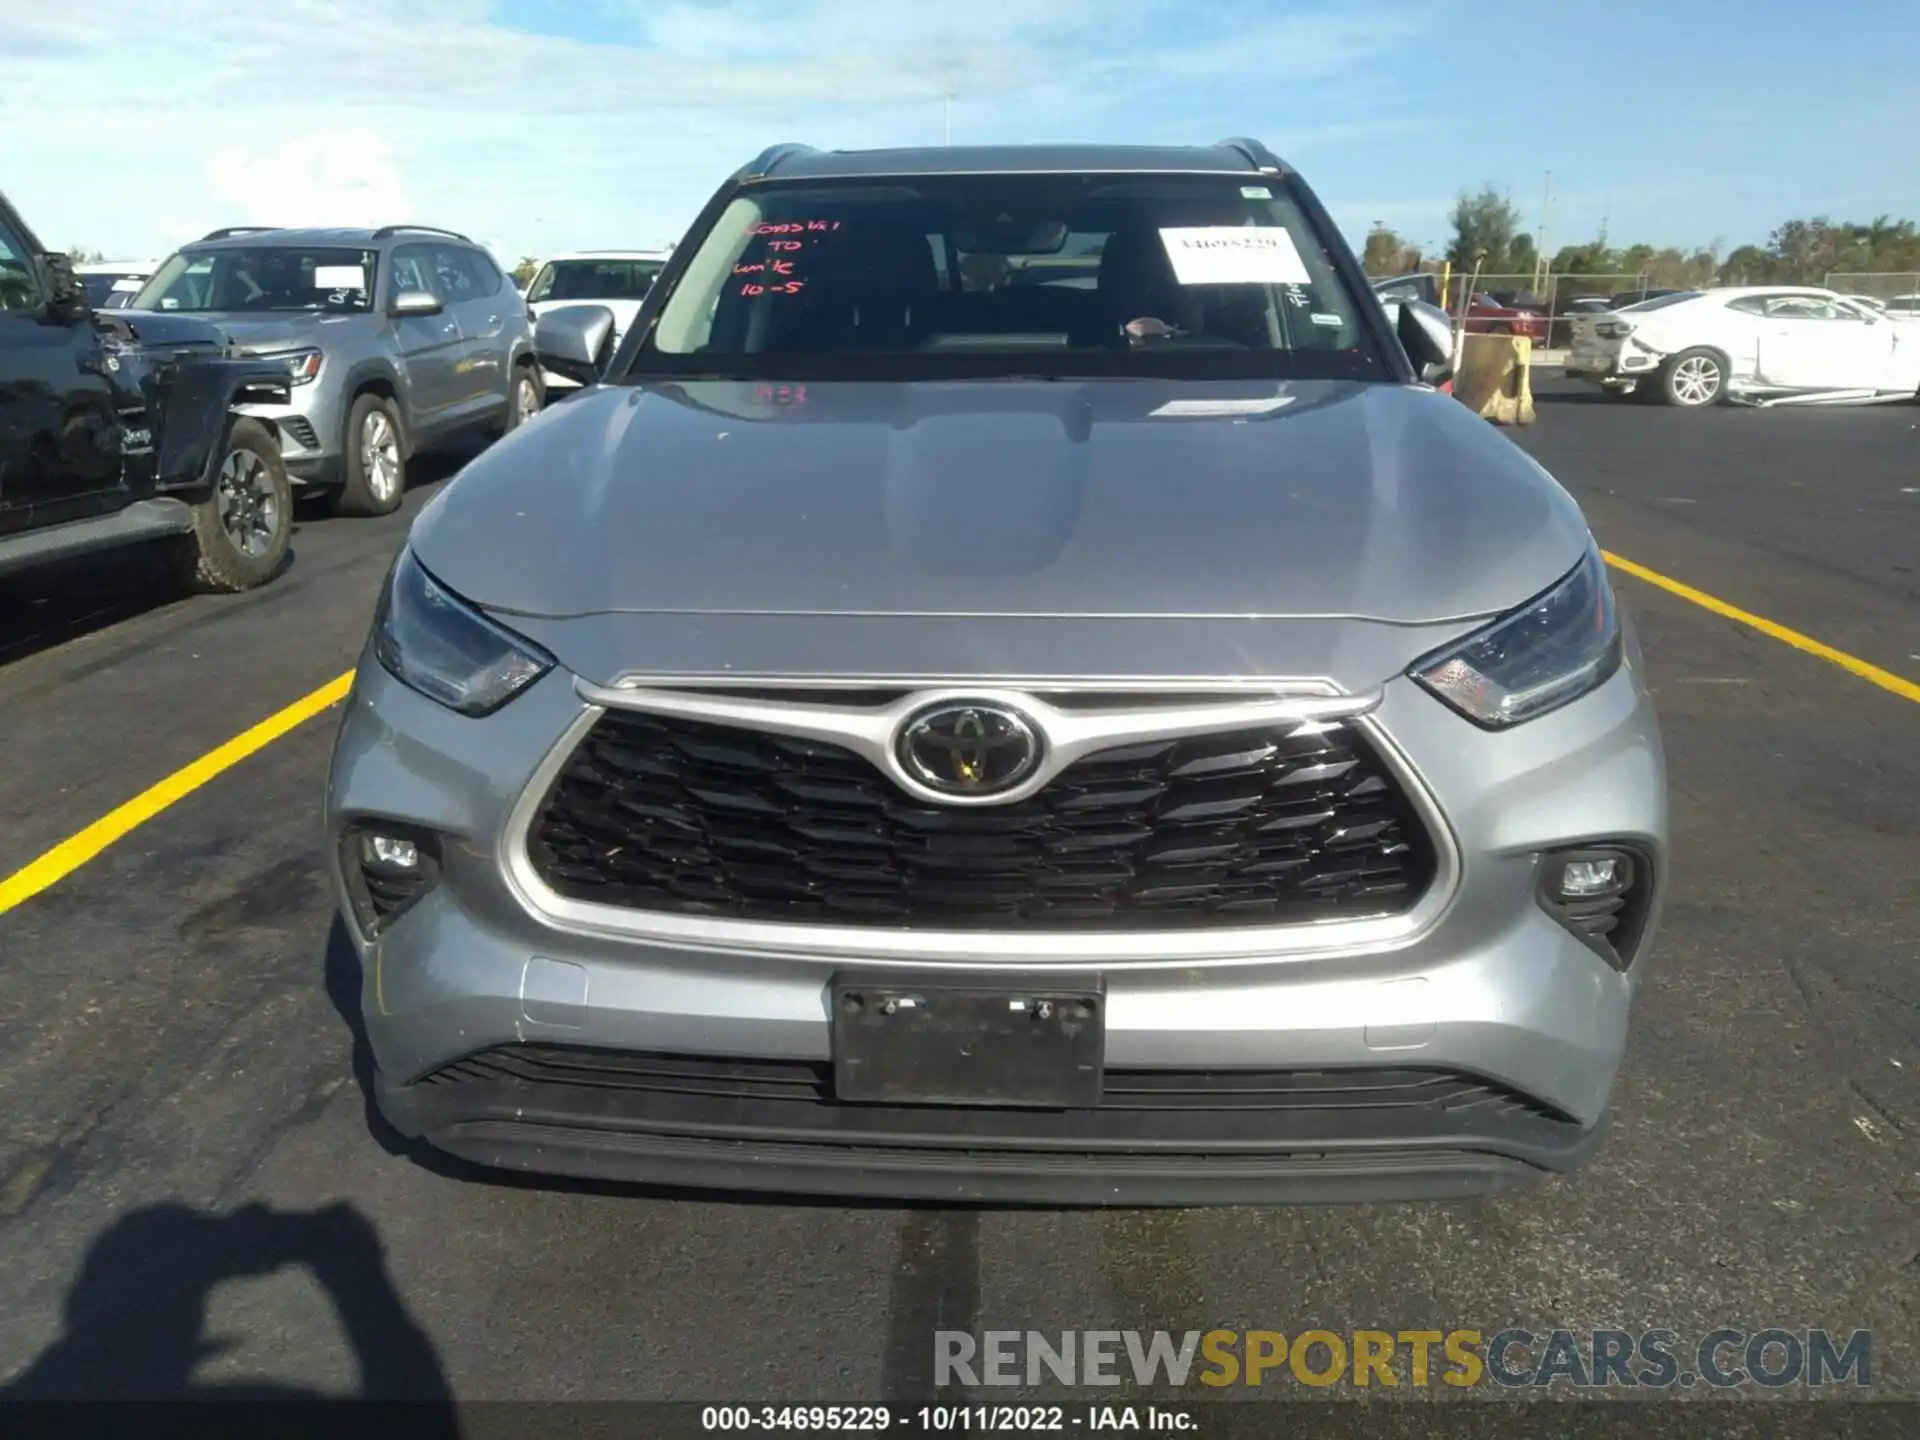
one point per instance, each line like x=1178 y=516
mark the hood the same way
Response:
x=162 y=329
x=1004 y=498
x=266 y=334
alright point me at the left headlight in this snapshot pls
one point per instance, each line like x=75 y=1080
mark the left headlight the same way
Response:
x=302 y=365
x=1546 y=654
x=432 y=641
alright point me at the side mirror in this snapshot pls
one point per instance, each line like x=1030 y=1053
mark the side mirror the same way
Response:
x=1426 y=334
x=66 y=296
x=416 y=302
x=575 y=341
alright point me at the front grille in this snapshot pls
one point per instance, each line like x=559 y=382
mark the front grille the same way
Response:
x=1205 y=1109
x=1269 y=825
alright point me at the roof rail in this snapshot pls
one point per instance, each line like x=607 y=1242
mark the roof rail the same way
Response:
x=769 y=159
x=388 y=231
x=1258 y=155
x=227 y=232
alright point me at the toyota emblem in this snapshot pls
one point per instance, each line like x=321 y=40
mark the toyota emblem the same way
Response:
x=968 y=748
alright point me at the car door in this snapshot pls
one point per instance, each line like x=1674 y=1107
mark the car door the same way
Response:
x=457 y=281
x=486 y=310
x=432 y=348
x=1812 y=342
x=60 y=433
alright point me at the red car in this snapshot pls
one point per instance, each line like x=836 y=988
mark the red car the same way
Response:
x=1487 y=316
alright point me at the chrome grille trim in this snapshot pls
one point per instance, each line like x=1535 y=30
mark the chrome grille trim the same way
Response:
x=1088 y=729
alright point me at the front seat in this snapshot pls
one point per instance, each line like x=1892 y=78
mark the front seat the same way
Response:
x=866 y=289
x=1136 y=281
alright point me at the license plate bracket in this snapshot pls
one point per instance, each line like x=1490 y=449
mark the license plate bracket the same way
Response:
x=1019 y=1040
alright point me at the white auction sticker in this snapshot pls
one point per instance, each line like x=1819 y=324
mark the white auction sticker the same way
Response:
x=339 y=277
x=1189 y=409
x=1234 y=255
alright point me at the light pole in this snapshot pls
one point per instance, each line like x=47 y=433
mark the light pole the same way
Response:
x=1542 y=265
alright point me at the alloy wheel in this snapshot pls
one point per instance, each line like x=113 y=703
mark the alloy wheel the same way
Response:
x=380 y=456
x=1696 y=380
x=249 y=509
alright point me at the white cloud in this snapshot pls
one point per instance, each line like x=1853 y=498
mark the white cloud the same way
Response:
x=132 y=126
x=348 y=177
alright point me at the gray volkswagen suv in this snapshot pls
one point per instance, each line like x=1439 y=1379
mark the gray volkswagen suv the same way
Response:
x=904 y=732
x=396 y=340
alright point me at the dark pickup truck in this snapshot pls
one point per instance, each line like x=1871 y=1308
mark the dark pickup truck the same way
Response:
x=118 y=427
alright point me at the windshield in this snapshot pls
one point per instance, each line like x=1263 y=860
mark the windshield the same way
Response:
x=594 y=280
x=263 y=279
x=929 y=277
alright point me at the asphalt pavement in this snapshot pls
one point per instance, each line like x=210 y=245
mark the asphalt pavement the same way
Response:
x=192 y=1190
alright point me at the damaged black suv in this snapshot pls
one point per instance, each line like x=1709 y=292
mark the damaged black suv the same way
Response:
x=118 y=427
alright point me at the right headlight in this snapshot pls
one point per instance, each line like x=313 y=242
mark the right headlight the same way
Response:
x=1546 y=654
x=430 y=640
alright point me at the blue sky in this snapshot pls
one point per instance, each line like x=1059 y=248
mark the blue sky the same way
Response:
x=538 y=125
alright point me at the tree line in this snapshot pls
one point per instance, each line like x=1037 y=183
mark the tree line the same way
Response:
x=1798 y=252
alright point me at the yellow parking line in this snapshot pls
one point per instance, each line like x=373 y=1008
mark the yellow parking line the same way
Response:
x=69 y=855
x=1853 y=664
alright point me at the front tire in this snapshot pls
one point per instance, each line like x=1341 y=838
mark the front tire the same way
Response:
x=525 y=398
x=376 y=466
x=240 y=532
x=1694 y=379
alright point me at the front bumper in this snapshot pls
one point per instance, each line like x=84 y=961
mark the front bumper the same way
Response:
x=512 y=1038
x=311 y=428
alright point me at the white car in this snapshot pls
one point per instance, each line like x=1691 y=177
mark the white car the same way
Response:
x=617 y=279
x=1751 y=344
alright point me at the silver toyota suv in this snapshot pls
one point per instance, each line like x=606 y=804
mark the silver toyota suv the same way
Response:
x=1009 y=683
x=396 y=340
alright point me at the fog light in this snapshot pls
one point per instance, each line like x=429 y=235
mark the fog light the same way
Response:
x=1581 y=879
x=387 y=872
x=389 y=852
x=1602 y=894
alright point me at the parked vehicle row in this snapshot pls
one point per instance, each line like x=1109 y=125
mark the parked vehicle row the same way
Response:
x=1510 y=312
x=119 y=428
x=188 y=402
x=1755 y=344
x=394 y=340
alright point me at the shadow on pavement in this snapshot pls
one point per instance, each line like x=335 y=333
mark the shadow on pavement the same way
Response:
x=52 y=605
x=136 y=1315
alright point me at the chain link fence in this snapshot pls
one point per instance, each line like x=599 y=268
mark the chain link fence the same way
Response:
x=1880 y=284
